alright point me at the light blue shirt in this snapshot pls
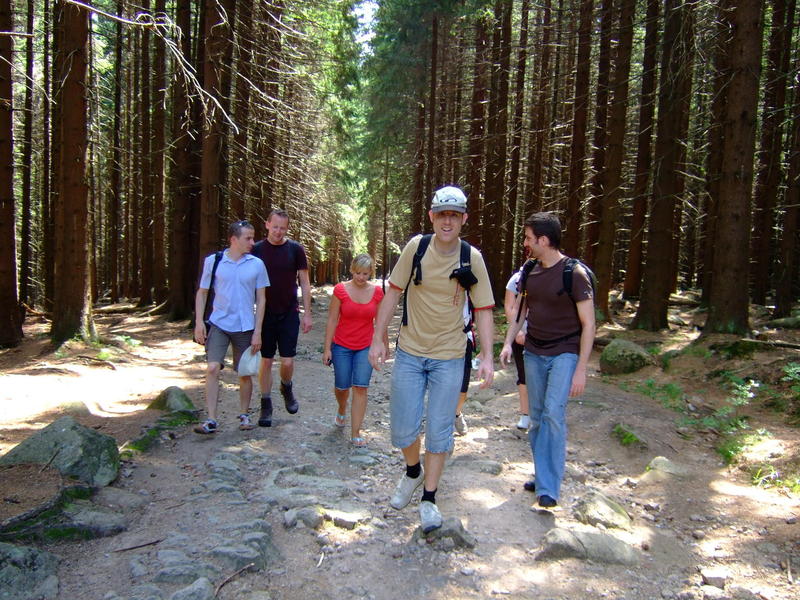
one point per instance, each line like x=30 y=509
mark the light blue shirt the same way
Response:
x=235 y=285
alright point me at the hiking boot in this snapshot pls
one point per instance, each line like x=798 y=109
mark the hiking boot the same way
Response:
x=429 y=516
x=530 y=486
x=244 y=422
x=524 y=422
x=206 y=427
x=461 y=424
x=546 y=501
x=405 y=488
x=289 y=400
x=265 y=418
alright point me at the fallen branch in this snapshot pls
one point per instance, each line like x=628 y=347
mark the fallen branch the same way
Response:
x=231 y=577
x=775 y=343
x=35 y=312
x=52 y=458
x=153 y=543
x=98 y=360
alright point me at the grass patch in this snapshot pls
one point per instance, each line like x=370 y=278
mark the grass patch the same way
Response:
x=626 y=436
x=767 y=475
x=732 y=445
x=150 y=437
x=670 y=395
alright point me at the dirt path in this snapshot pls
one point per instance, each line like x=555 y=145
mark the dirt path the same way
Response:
x=200 y=494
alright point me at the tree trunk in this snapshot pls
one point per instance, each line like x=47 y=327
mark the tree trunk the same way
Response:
x=158 y=150
x=10 y=314
x=115 y=167
x=147 y=176
x=580 y=113
x=616 y=152
x=599 y=186
x=477 y=135
x=431 y=159
x=496 y=221
x=184 y=199
x=728 y=303
x=516 y=142
x=51 y=140
x=769 y=163
x=25 y=295
x=238 y=175
x=71 y=302
x=633 y=270
x=539 y=117
x=418 y=200
x=670 y=156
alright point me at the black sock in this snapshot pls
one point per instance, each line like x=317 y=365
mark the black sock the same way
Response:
x=413 y=471
x=265 y=396
x=458 y=415
x=428 y=496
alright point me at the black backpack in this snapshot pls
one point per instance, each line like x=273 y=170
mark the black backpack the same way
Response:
x=463 y=274
x=566 y=287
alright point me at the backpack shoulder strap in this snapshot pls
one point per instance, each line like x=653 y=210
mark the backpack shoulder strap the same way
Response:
x=522 y=284
x=466 y=261
x=566 y=276
x=217 y=258
x=466 y=254
x=416 y=271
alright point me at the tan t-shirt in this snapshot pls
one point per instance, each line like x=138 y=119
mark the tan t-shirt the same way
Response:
x=436 y=306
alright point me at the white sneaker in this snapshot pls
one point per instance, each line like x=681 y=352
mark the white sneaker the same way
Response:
x=461 y=424
x=405 y=488
x=429 y=516
x=524 y=422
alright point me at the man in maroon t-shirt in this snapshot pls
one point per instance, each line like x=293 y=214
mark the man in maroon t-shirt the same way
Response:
x=286 y=262
x=558 y=342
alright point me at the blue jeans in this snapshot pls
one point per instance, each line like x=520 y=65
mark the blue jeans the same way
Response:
x=350 y=367
x=549 y=379
x=411 y=377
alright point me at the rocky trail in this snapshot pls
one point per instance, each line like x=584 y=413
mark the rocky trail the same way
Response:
x=295 y=512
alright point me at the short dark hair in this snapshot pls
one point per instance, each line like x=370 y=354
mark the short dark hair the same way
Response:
x=235 y=229
x=277 y=212
x=546 y=223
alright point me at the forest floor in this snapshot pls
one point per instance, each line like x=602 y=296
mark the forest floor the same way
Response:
x=741 y=518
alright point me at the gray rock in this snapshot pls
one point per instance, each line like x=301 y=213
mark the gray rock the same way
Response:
x=27 y=573
x=173 y=399
x=574 y=473
x=146 y=592
x=715 y=576
x=258 y=595
x=201 y=589
x=137 y=569
x=663 y=469
x=738 y=592
x=623 y=356
x=263 y=543
x=713 y=593
x=451 y=529
x=220 y=487
x=73 y=449
x=239 y=556
x=169 y=557
x=347 y=519
x=93 y=520
x=597 y=509
x=490 y=467
x=112 y=497
x=601 y=547
x=310 y=516
x=363 y=459
x=185 y=573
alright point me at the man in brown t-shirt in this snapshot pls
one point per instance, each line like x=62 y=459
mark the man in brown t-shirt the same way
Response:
x=558 y=343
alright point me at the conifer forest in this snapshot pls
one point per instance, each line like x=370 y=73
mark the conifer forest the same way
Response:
x=665 y=133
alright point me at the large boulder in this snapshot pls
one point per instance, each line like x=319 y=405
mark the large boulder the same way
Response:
x=27 y=573
x=73 y=449
x=600 y=547
x=597 y=509
x=173 y=399
x=623 y=356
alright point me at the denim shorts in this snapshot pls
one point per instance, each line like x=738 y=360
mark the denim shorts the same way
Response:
x=350 y=367
x=412 y=376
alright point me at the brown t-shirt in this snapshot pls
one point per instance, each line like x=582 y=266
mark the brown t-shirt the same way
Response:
x=551 y=312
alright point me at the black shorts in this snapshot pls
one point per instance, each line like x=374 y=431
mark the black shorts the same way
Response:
x=467 y=367
x=517 y=350
x=279 y=332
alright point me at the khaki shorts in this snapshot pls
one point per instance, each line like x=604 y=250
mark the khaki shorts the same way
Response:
x=217 y=343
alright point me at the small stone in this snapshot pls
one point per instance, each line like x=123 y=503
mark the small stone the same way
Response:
x=137 y=569
x=652 y=506
x=201 y=589
x=698 y=534
x=716 y=577
x=697 y=518
x=468 y=571
x=791 y=520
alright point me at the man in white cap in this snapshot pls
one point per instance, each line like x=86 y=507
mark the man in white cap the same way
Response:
x=430 y=348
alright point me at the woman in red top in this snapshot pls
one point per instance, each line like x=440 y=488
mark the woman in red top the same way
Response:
x=348 y=334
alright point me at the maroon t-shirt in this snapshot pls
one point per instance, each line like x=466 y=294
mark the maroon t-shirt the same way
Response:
x=282 y=262
x=551 y=312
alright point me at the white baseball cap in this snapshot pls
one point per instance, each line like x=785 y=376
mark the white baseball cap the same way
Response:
x=449 y=198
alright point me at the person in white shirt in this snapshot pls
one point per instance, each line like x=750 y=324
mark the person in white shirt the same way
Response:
x=239 y=282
